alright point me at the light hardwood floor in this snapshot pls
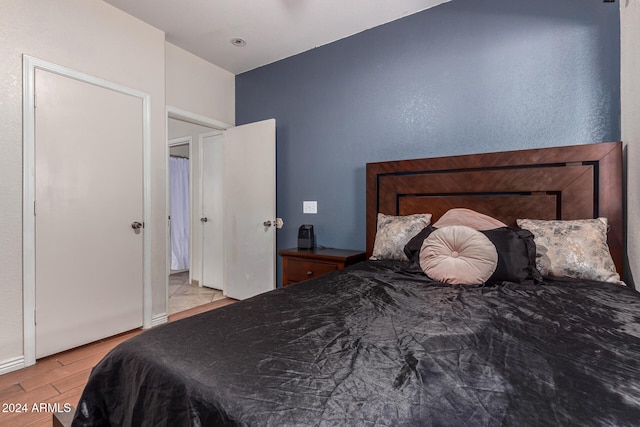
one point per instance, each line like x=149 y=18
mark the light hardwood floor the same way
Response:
x=60 y=378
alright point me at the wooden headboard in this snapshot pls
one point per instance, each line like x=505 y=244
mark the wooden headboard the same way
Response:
x=573 y=182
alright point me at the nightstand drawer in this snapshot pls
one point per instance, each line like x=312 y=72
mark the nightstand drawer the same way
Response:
x=303 y=264
x=299 y=270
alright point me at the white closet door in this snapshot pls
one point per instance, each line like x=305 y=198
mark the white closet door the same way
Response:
x=89 y=191
x=250 y=204
x=211 y=218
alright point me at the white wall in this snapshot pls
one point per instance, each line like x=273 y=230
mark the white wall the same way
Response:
x=199 y=87
x=630 y=106
x=95 y=38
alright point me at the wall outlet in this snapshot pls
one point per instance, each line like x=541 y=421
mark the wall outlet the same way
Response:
x=310 y=207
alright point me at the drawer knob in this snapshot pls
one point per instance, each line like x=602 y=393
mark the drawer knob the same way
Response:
x=309 y=273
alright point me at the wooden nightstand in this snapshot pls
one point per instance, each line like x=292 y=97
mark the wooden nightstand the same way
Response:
x=303 y=264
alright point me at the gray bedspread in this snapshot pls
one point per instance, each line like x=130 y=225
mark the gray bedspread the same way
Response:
x=378 y=345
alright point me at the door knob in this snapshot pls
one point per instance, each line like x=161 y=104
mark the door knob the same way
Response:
x=205 y=219
x=277 y=223
x=136 y=225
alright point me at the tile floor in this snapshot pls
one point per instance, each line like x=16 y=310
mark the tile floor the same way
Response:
x=184 y=295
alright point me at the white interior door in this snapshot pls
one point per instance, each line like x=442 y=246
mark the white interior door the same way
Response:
x=212 y=212
x=250 y=202
x=88 y=191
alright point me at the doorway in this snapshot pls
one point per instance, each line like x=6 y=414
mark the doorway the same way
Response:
x=180 y=203
x=247 y=223
x=185 y=286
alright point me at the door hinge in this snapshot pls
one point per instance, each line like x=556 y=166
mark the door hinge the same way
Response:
x=35 y=317
x=34 y=208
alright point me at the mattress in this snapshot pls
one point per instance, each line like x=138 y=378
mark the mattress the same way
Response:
x=379 y=344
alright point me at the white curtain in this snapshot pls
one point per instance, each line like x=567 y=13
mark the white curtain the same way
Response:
x=179 y=207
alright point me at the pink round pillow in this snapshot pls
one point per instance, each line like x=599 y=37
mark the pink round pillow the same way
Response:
x=458 y=254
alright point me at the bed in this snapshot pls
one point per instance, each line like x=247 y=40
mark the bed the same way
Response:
x=382 y=343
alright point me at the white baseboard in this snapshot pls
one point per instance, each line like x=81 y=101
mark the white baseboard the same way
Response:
x=159 y=319
x=11 y=365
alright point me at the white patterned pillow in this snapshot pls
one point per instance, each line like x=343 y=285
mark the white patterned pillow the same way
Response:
x=393 y=232
x=572 y=248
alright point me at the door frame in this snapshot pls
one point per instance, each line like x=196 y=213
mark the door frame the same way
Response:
x=197 y=119
x=174 y=142
x=30 y=64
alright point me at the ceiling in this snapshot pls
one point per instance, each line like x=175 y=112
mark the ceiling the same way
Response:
x=272 y=29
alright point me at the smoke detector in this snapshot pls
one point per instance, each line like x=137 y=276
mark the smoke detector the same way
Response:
x=238 y=42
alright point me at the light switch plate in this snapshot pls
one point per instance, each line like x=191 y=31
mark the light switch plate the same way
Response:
x=310 y=207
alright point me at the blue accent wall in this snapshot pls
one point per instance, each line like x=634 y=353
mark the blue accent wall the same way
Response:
x=468 y=76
